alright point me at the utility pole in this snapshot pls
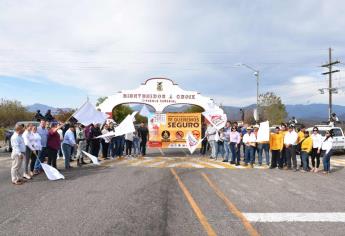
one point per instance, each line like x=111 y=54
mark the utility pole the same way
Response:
x=256 y=74
x=330 y=89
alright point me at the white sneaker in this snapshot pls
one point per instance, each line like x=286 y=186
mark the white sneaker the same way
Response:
x=26 y=176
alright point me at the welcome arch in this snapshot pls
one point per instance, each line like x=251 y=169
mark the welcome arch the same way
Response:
x=159 y=93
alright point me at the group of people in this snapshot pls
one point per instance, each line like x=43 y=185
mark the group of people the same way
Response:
x=284 y=144
x=33 y=145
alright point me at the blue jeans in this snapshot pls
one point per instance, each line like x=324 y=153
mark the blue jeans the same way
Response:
x=41 y=157
x=235 y=152
x=136 y=146
x=326 y=161
x=214 y=147
x=67 y=152
x=264 y=147
x=220 y=149
x=227 y=150
x=112 y=148
x=249 y=155
x=305 y=156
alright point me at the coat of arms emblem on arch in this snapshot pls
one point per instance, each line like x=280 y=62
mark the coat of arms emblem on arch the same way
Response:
x=159 y=86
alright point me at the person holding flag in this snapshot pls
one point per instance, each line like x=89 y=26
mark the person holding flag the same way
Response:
x=68 y=143
x=18 y=153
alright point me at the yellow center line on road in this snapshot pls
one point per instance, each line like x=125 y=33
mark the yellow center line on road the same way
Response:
x=233 y=209
x=202 y=218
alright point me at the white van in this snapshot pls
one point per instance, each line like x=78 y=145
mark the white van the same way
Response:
x=338 y=139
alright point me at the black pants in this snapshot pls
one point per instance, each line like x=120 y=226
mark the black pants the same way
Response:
x=105 y=147
x=282 y=158
x=203 y=149
x=95 y=145
x=33 y=160
x=291 y=156
x=275 y=158
x=143 y=146
x=129 y=145
x=316 y=155
x=52 y=155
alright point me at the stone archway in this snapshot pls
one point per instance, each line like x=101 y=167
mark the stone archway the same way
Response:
x=159 y=93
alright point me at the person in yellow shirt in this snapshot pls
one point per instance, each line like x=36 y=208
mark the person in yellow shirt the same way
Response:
x=299 y=140
x=306 y=147
x=276 y=147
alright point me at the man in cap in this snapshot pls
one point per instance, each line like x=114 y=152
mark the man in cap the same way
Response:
x=249 y=140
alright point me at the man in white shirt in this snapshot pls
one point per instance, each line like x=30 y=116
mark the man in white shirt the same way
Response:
x=211 y=138
x=18 y=153
x=249 y=140
x=290 y=143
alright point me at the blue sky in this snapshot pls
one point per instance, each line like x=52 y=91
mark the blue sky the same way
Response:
x=58 y=53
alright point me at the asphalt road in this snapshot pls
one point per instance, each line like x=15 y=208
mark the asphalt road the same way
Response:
x=118 y=199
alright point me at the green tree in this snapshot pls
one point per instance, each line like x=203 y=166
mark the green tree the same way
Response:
x=271 y=108
x=100 y=100
x=12 y=111
x=120 y=112
x=63 y=115
x=194 y=109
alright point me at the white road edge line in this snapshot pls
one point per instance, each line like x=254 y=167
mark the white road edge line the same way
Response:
x=296 y=217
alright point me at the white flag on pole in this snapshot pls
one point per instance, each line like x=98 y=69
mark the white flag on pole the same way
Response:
x=88 y=114
x=217 y=119
x=125 y=127
x=144 y=111
x=92 y=157
x=51 y=172
x=191 y=142
x=264 y=132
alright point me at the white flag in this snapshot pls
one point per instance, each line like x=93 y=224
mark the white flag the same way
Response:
x=255 y=114
x=87 y=114
x=92 y=157
x=217 y=119
x=126 y=126
x=264 y=132
x=191 y=142
x=51 y=172
x=144 y=111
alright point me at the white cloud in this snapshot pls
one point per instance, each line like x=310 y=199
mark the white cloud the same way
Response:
x=102 y=47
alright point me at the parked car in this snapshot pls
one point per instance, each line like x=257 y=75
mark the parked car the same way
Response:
x=9 y=133
x=338 y=139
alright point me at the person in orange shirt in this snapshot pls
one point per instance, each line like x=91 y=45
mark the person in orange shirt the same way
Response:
x=306 y=147
x=276 y=147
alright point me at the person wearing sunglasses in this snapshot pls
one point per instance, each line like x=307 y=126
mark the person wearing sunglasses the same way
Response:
x=326 y=148
x=316 y=151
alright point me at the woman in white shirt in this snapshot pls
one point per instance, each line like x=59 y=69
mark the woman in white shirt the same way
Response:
x=326 y=148
x=28 y=140
x=105 y=142
x=36 y=147
x=316 y=150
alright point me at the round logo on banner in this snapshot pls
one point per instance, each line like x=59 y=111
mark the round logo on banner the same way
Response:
x=196 y=134
x=179 y=135
x=165 y=135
